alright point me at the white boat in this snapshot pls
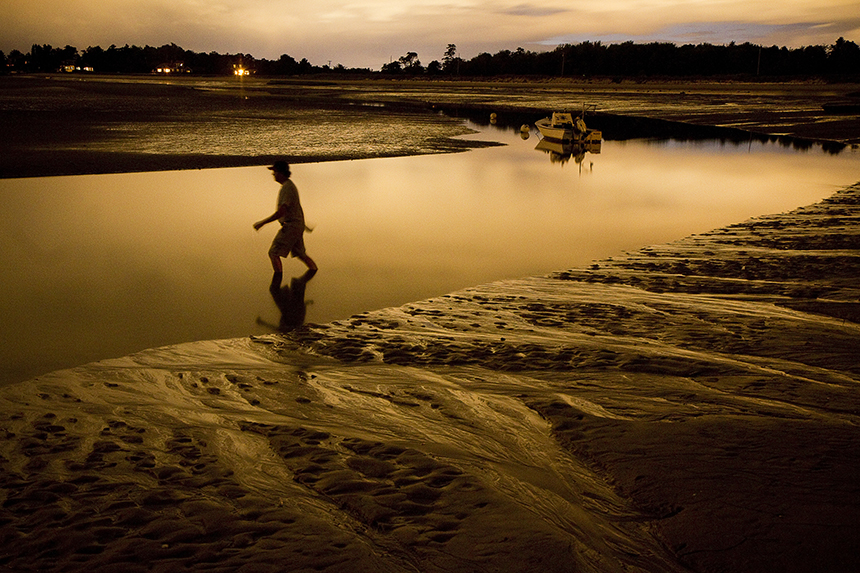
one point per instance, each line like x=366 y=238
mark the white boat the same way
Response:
x=562 y=126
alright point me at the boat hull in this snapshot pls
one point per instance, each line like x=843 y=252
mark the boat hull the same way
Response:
x=551 y=132
x=565 y=132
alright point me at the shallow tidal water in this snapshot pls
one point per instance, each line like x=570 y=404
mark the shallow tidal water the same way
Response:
x=104 y=265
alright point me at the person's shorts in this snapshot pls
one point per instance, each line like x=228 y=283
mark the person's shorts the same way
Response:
x=288 y=242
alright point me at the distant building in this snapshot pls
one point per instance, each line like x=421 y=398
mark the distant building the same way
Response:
x=172 y=68
x=241 y=70
x=69 y=66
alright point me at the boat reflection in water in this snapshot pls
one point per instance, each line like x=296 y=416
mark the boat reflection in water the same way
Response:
x=562 y=151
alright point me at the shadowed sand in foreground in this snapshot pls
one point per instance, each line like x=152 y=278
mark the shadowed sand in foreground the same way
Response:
x=690 y=406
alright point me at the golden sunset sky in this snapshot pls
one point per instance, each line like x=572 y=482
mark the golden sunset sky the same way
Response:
x=370 y=33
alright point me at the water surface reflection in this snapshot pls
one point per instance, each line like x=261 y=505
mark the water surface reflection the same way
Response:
x=290 y=300
x=104 y=265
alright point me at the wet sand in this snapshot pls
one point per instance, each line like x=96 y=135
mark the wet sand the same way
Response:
x=74 y=125
x=689 y=406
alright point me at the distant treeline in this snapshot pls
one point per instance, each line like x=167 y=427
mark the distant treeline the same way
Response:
x=169 y=58
x=588 y=59
x=628 y=59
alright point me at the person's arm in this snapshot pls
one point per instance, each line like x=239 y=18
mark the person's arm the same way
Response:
x=282 y=209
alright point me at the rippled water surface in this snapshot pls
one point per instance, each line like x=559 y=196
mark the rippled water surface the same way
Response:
x=100 y=266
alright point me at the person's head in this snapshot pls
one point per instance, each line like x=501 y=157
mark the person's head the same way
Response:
x=281 y=170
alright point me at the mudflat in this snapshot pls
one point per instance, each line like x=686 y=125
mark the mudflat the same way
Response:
x=74 y=124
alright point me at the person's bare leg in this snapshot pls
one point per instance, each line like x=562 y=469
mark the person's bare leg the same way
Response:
x=276 y=263
x=309 y=262
x=275 y=285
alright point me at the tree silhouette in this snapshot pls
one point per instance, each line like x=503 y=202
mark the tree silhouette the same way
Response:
x=841 y=61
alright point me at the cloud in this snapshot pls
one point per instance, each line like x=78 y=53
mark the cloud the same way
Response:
x=791 y=35
x=368 y=33
x=530 y=10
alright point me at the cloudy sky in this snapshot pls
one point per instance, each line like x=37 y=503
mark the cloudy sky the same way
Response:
x=370 y=33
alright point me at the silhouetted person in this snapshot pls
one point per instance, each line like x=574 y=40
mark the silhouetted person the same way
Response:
x=290 y=238
x=290 y=300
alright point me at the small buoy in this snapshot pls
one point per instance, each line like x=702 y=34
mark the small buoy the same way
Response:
x=525 y=131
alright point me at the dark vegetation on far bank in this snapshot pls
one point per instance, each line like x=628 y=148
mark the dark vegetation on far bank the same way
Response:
x=839 y=61
x=625 y=127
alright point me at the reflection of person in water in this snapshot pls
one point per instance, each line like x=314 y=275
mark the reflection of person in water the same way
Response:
x=290 y=300
x=290 y=238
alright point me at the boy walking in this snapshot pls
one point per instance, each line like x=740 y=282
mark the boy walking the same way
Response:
x=290 y=238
